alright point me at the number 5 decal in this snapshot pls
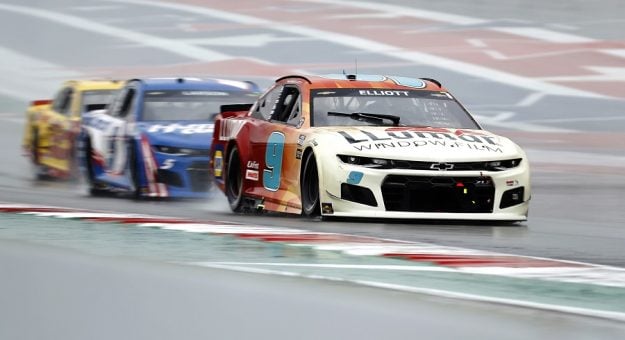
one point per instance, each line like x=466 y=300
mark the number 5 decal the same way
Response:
x=273 y=161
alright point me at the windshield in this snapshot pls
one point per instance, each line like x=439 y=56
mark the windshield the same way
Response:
x=96 y=99
x=190 y=105
x=341 y=107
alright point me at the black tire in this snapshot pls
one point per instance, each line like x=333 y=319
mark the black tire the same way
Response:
x=38 y=170
x=309 y=186
x=234 y=180
x=34 y=147
x=91 y=181
x=134 y=171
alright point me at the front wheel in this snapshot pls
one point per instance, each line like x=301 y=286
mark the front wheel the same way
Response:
x=37 y=168
x=310 y=187
x=134 y=170
x=92 y=183
x=234 y=181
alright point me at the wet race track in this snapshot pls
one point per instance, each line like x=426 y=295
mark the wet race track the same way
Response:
x=549 y=77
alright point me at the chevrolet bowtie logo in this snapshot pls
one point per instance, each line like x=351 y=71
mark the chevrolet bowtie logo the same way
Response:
x=441 y=166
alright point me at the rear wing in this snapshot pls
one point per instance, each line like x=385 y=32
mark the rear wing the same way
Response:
x=235 y=107
x=232 y=110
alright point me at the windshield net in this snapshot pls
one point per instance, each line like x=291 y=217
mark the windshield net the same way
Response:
x=190 y=105
x=341 y=107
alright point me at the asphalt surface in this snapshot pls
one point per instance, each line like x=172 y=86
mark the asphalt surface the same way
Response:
x=575 y=141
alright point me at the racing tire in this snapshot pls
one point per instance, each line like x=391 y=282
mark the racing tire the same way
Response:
x=92 y=183
x=234 y=181
x=37 y=168
x=309 y=187
x=134 y=171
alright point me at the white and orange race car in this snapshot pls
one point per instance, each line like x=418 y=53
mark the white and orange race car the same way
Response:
x=367 y=146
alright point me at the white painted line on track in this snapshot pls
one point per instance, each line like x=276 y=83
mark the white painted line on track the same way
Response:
x=170 y=45
x=544 y=35
x=531 y=99
x=427 y=291
x=612 y=277
x=377 y=47
x=398 y=11
x=615 y=52
x=523 y=31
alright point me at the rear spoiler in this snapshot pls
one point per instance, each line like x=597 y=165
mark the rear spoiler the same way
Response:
x=41 y=102
x=235 y=107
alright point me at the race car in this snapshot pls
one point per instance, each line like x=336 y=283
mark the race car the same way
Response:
x=53 y=124
x=154 y=138
x=368 y=146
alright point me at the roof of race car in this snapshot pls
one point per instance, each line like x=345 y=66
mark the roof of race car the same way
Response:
x=197 y=84
x=88 y=85
x=366 y=81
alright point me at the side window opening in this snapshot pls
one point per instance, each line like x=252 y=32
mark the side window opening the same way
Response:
x=268 y=104
x=127 y=103
x=63 y=100
x=288 y=103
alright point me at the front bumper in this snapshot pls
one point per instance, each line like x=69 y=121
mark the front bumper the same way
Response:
x=415 y=194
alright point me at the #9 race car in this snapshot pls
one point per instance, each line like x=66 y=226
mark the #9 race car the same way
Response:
x=367 y=146
x=53 y=124
x=154 y=138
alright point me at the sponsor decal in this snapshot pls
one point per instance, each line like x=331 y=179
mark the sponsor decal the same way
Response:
x=184 y=129
x=394 y=93
x=299 y=153
x=389 y=139
x=218 y=163
x=301 y=139
x=251 y=175
x=252 y=165
x=354 y=177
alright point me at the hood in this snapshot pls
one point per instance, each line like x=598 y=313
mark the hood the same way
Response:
x=417 y=143
x=194 y=135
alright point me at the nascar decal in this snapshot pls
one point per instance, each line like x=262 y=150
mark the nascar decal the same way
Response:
x=368 y=140
x=184 y=129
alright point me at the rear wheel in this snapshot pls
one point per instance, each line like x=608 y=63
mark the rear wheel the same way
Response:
x=234 y=180
x=309 y=185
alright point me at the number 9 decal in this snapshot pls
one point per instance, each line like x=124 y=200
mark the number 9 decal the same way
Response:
x=273 y=161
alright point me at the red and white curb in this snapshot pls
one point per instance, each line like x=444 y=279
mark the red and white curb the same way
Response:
x=434 y=258
x=441 y=258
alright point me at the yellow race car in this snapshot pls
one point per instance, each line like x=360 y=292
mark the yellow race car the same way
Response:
x=53 y=124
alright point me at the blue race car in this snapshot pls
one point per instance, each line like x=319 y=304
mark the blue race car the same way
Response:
x=153 y=140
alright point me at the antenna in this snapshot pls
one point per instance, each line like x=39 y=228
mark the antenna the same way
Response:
x=356 y=64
